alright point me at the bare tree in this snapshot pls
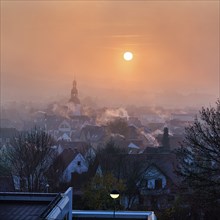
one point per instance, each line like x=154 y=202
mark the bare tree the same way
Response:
x=54 y=174
x=111 y=157
x=29 y=157
x=199 y=157
x=133 y=168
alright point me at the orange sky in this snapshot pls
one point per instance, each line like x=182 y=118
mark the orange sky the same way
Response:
x=175 y=46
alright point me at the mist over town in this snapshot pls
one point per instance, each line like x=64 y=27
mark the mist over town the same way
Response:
x=110 y=109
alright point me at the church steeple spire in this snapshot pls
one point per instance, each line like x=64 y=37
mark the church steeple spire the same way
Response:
x=74 y=93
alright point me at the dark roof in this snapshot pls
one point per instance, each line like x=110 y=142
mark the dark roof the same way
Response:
x=166 y=162
x=21 y=210
x=93 y=132
x=71 y=149
x=63 y=160
x=25 y=206
x=79 y=146
x=125 y=144
x=156 y=150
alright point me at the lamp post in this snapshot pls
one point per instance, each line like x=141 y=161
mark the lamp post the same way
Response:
x=114 y=195
x=47 y=188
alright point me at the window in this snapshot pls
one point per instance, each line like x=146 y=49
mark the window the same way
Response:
x=79 y=163
x=158 y=184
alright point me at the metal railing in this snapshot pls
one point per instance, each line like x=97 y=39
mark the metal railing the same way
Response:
x=83 y=214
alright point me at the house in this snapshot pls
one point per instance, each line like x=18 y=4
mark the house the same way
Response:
x=74 y=156
x=93 y=134
x=131 y=146
x=77 y=164
x=58 y=126
x=159 y=183
x=153 y=178
x=64 y=137
x=68 y=162
x=156 y=183
x=80 y=180
x=83 y=147
x=62 y=130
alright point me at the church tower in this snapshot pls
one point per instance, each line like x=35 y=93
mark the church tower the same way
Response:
x=74 y=106
x=74 y=94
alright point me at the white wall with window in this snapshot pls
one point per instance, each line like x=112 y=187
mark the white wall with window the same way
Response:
x=78 y=164
x=153 y=179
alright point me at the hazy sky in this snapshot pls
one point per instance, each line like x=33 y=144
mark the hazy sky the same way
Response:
x=175 y=46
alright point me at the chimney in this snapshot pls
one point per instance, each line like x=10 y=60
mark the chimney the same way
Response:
x=166 y=139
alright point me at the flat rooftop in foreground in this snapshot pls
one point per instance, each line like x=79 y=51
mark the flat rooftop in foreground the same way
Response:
x=36 y=206
x=56 y=206
x=22 y=210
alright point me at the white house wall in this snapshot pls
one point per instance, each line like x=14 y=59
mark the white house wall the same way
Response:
x=152 y=174
x=74 y=167
x=64 y=137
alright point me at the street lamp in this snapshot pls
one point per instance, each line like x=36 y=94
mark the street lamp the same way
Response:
x=47 y=188
x=114 y=195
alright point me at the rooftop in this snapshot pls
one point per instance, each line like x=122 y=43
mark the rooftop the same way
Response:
x=34 y=206
x=26 y=206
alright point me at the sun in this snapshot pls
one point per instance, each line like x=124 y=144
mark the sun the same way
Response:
x=128 y=56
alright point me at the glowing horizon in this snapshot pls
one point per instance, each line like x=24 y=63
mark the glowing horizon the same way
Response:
x=176 y=47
